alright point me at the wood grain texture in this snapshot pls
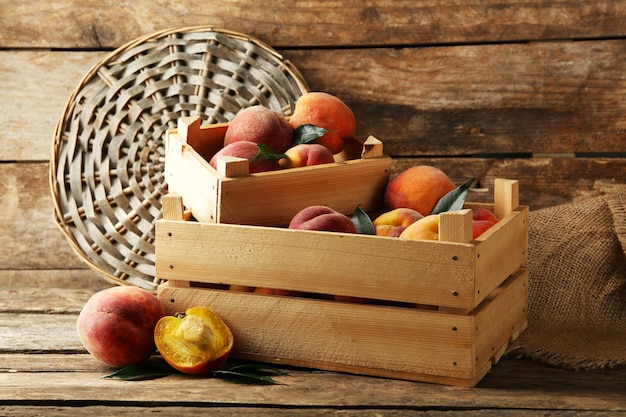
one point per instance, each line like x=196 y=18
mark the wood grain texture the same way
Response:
x=255 y=411
x=48 y=372
x=31 y=299
x=33 y=241
x=108 y=24
x=13 y=281
x=544 y=182
x=403 y=343
x=456 y=275
x=512 y=384
x=34 y=86
x=554 y=97
x=59 y=336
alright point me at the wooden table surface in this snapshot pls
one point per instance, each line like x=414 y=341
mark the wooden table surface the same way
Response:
x=529 y=90
x=44 y=370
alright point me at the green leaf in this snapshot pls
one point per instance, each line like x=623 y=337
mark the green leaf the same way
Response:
x=253 y=373
x=454 y=200
x=362 y=222
x=257 y=368
x=307 y=133
x=158 y=368
x=140 y=372
x=267 y=152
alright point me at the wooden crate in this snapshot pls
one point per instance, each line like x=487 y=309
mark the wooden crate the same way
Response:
x=229 y=194
x=447 y=309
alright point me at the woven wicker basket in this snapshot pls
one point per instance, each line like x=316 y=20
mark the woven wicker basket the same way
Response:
x=106 y=172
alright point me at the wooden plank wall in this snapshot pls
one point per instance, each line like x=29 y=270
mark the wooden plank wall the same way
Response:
x=532 y=90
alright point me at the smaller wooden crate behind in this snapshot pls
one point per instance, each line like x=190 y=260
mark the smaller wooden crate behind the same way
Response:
x=229 y=194
x=451 y=306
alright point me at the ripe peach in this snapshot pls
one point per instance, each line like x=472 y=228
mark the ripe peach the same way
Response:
x=259 y=124
x=483 y=219
x=326 y=111
x=116 y=325
x=484 y=214
x=240 y=288
x=393 y=223
x=249 y=151
x=426 y=228
x=273 y=291
x=322 y=218
x=304 y=155
x=195 y=342
x=419 y=188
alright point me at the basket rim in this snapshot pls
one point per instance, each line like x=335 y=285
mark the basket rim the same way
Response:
x=70 y=105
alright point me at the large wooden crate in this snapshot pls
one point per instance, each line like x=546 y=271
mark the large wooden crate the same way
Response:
x=446 y=309
x=229 y=194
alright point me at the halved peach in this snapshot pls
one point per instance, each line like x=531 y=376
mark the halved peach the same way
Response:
x=195 y=342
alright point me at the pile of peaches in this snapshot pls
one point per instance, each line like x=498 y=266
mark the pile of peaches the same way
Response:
x=410 y=198
x=318 y=129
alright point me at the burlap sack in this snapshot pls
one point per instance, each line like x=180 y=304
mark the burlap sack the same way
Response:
x=577 y=290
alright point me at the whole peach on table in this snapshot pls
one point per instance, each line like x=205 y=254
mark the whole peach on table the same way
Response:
x=328 y=112
x=116 y=325
x=247 y=150
x=306 y=154
x=260 y=124
x=322 y=218
x=419 y=188
x=392 y=223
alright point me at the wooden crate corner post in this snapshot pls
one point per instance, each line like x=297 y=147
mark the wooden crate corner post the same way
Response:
x=205 y=141
x=456 y=226
x=172 y=206
x=188 y=127
x=174 y=210
x=505 y=196
x=372 y=148
x=232 y=166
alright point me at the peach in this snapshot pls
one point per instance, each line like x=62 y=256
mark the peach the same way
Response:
x=484 y=214
x=249 y=151
x=483 y=219
x=326 y=111
x=240 y=288
x=116 y=325
x=426 y=228
x=196 y=342
x=273 y=291
x=322 y=218
x=419 y=188
x=393 y=223
x=306 y=154
x=480 y=226
x=259 y=124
